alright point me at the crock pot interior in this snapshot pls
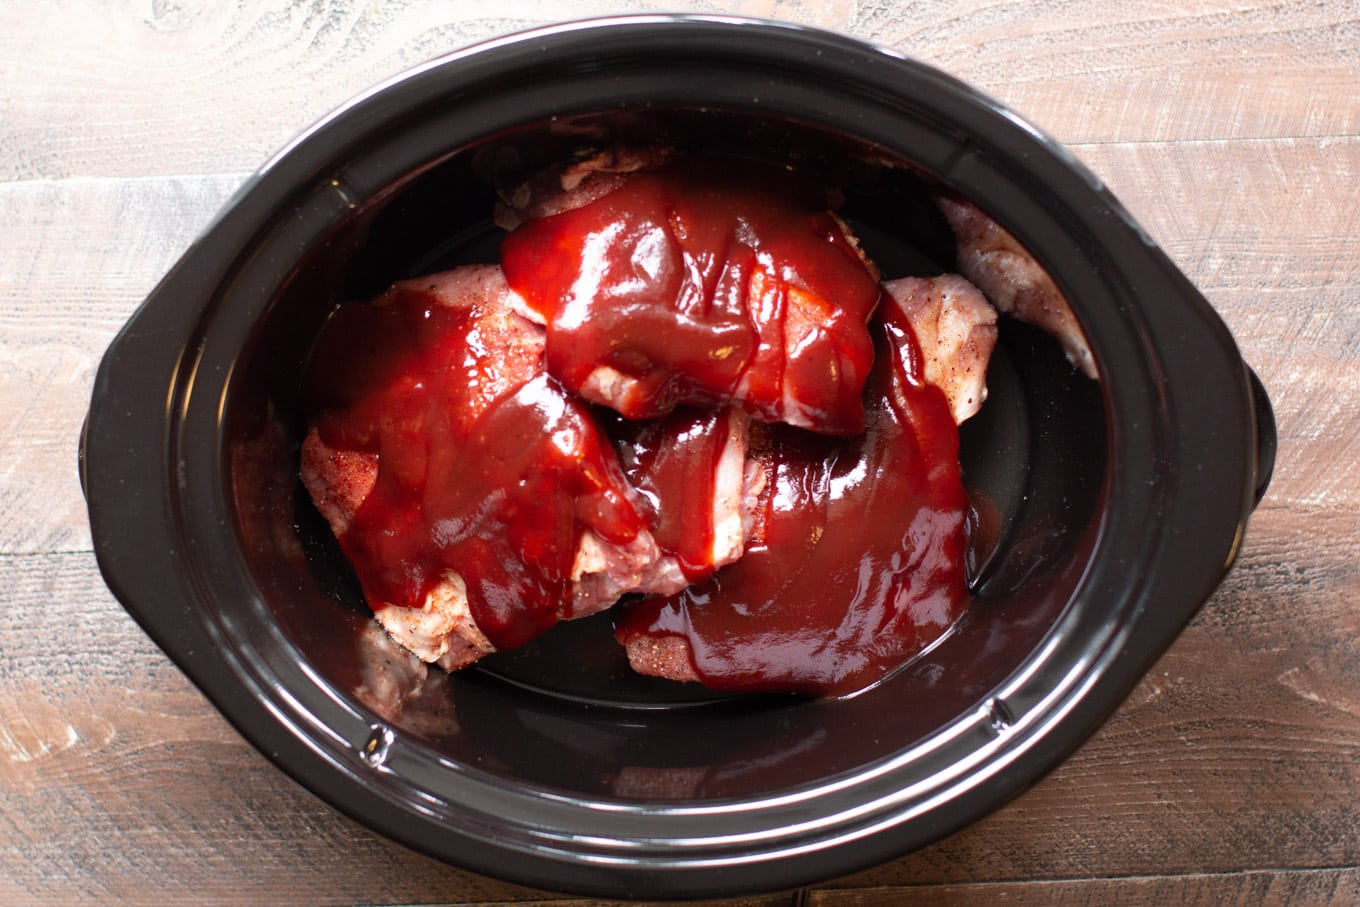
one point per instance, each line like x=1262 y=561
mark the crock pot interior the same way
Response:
x=565 y=714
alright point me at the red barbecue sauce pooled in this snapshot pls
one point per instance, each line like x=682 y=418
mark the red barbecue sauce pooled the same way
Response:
x=856 y=561
x=705 y=280
x=492 y=474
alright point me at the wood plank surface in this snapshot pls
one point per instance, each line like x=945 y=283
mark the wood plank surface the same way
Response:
x=1319 y=887
x=165 y=87
x=1230 y=129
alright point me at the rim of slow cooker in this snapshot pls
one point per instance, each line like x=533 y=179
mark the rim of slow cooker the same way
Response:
x=671 y=847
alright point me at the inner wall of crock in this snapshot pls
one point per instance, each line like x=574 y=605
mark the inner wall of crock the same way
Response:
x=566 y=713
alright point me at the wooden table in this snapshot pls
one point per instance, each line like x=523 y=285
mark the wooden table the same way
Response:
x=1231 y=129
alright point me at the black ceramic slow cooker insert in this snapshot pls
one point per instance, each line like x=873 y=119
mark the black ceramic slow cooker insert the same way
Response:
x=1121 y=502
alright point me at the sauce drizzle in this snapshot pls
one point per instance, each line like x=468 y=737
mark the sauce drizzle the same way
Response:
x=486 y=466
x=672 y=462
x=703 y=284
x=856 y=561
x=704 y=281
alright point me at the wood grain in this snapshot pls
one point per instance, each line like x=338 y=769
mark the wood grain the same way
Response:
x=176 y=87
x=1240 y=749
x=1317 y=887
x=1230 y=129
x=1270 y=233
x=61 y=303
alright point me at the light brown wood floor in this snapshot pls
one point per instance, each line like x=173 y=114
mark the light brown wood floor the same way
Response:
x=1231 y=129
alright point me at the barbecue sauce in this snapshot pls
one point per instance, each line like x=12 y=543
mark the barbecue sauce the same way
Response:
x=699 y=285
x=673 y=464
x=704 y=281
x=856 y=560
x=486 y=467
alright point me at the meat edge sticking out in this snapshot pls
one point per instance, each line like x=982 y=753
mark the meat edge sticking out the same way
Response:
x=443 y=631
x=557 y=189
x=1016 y=284
x=440 y=632
x=955 y=327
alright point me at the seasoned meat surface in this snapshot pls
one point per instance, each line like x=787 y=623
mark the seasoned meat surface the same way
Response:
x=667 y=657
x=1017 y=285
x=955 y=328
x=559 y=189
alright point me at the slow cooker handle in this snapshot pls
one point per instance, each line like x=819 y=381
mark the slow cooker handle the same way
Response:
x=1266 y=441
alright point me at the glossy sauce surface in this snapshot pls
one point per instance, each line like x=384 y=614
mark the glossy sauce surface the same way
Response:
x=856 y=562
x=704 y=281
x=486 y=467
x=709 y=287
x=672 y=463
